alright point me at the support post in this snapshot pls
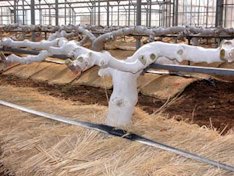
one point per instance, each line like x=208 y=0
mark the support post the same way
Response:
x=138 y=22
x=111 y=15
x=1 y=20
x=40 y=12
x=17 y=11
x=65 y=13
x=23 y=12
x=70 y=15
x=94 y=13
x=91 y=16
x=118 y=12
x=134 y=15
x=175 y=13
x=147 y=13
x=33 y=17
x=219 y=13
x=49 y=14
x=129 y=8
x=108 y=14
x=15 y=20
x=150 y=11
x=99 y=13
x=168 y=15
x=207 y=12
x=56 y=13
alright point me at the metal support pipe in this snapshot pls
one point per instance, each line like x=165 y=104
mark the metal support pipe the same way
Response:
x=198 y=15
x=129 y=12
x=33 y=12
x=15 y=20
x=70 y=15
x=118 y=11
x=147 y=14
x=138 y=22
x=168 y=14
x=134 y=15
x=225 y=15
x=138 y=14
x=49 y=14
x=91 y=15
x=94 y=13
x=33 y=17
x=207 y=12
x=108 y=13
x=219 y=13
x=150 y=11
x=99 y=13
x=56 y=13
x=40 y=12
x=65 y=14
x=175 y=13
x=1 y=16
x=74 y=18
x=191 y=11
x=23 y=12
x=194 y=69
x=76 y=4
x=79 y=2
x=111 y=15
x=17 y=11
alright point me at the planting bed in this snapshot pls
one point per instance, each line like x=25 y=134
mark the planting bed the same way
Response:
x=35 y=146
x=208 y=103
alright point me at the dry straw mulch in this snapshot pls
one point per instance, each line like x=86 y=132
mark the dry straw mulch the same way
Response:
x=36 y=146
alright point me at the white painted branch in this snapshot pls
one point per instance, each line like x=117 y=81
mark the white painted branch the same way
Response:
x=181 y=30
x=88 y=36
x=28 y=59
x=141 y=58
x=98 y=43
x=49 y=48
x=149 y=53
x=61 y=34
x=85 y=32
x=124 y=72
x=43 y=45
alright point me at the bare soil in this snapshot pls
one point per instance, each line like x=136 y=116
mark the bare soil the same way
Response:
x=209 y=103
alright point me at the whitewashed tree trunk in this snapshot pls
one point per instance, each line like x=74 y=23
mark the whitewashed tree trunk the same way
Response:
x=123 y=98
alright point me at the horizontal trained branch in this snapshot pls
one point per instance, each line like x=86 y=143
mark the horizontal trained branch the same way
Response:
x=124 y=73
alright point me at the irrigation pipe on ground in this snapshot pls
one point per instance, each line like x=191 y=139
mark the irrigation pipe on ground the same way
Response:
x=110 y=130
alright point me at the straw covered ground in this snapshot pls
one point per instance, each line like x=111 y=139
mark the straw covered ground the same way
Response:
x=34 y=146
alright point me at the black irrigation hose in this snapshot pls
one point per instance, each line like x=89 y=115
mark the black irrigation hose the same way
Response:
x=110 y=130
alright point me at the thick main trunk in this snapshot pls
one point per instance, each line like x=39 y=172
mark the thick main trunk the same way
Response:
x=123 y=98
